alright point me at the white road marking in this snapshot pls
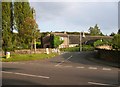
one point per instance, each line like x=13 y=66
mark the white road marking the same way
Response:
x=106 y=69
x=30 y=75
x=92 y=67
x=80 y=67
x=64 y=61
x=95 y=83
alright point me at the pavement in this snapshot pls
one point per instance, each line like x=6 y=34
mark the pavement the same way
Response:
x=72 y=68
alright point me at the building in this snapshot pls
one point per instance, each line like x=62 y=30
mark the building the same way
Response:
x=71 y=40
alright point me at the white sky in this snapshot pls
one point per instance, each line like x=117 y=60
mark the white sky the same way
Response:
x=76 y=16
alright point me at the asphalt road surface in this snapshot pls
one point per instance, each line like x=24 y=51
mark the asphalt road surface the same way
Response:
x=66 y=69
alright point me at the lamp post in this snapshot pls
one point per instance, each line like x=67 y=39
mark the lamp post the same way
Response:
x=34 y=39
x=81 y=36
x=80 y=42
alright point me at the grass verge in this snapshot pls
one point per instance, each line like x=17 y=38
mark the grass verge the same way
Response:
x=28 y=57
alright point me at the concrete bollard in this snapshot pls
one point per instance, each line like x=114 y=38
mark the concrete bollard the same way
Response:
x=47 y=50
x=7 y=54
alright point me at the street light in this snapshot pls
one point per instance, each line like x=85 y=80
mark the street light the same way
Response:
x=81 y=36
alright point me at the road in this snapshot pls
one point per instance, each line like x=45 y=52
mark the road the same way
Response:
x=66 y=69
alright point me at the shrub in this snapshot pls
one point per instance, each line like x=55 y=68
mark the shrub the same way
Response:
x=38 y=45
x=103 y=42
x=70 y=49
x=87 y=48
x=116 y=41
x=98 y=42
x=77 y=49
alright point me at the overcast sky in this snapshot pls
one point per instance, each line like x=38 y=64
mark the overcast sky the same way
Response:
x=76 y=16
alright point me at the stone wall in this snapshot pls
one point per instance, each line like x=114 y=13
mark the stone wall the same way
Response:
x=27 y=51
x=109 y=55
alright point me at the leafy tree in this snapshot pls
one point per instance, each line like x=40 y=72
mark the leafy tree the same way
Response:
x=56 y=41
x=29 y=31
x=0 y=27
x=112 y=34
x=103 y=42
x=95 y=30
x=22 y=10
x=6 y=26
x=21 y=16
x=116 y=41
x=26 y=25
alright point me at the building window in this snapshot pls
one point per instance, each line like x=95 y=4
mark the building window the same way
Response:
x=61 y=38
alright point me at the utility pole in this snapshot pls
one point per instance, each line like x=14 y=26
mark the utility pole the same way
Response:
x=80 y=42
x=34 y=39
x=82 y=35
x=12 y=16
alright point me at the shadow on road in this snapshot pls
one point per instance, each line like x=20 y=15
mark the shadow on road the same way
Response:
x=87 y=58
x=17 y=82
x=9 y=69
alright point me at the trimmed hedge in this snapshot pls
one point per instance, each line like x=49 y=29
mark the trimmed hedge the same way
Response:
x=109 y=55
x=77 y=49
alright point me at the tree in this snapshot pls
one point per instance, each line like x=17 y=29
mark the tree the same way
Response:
x=20 y=16
x=6 y=26
x=29 y=31
x=116 y=41
x=56 y=41
x=95 y=30
x=112 y=34
x=25 y=22
x=0 y=27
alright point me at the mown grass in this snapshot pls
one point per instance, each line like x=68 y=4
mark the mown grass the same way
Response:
x=28 y=57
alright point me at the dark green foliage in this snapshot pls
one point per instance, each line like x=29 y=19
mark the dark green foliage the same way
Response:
x=38 y=45
x=77 y=49
x=56 y=41
x=0 y=27
x=95 y=31
x=87 y=48
x=6 y=25
x=70 y=49
x=98 y=43
x=116 y=41
x=24 y=23
x=112 y=34
x=52 y=40
x=103 y=42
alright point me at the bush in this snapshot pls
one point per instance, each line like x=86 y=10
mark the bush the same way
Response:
x=116 y=41
x=70 y=49
x=103 y=42
x=38 y=45
x=77 y=49
x=98 y=43
x=88 y=48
